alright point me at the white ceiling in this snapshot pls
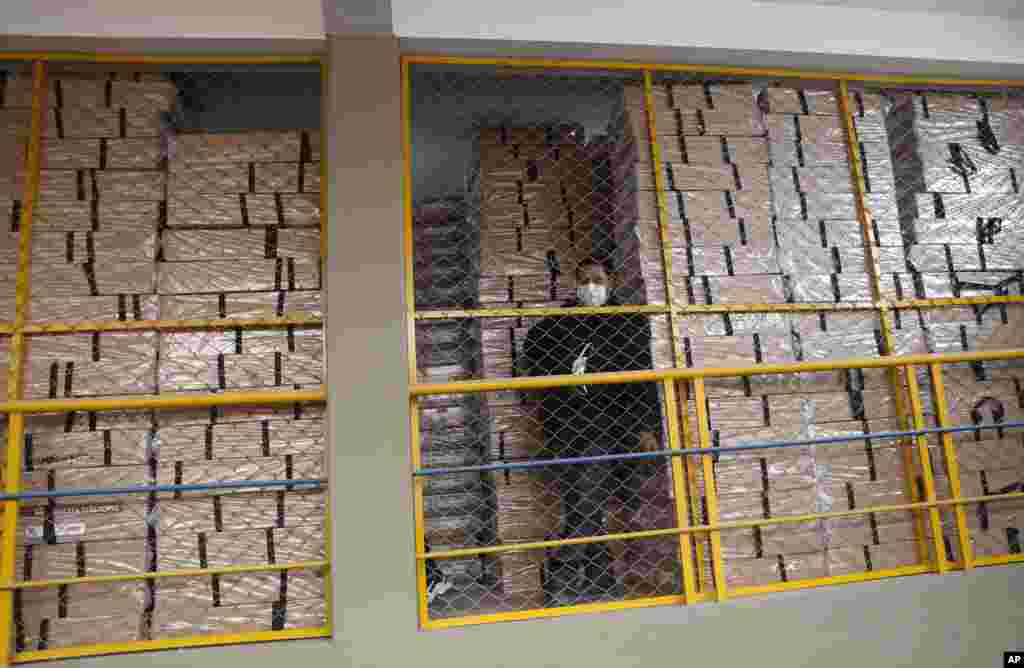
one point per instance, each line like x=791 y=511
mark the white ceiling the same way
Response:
x=1003 y=8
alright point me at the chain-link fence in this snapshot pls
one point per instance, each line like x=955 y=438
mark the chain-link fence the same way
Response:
x=791 y=225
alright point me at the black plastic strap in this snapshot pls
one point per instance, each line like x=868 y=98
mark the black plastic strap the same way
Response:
x=986 y=137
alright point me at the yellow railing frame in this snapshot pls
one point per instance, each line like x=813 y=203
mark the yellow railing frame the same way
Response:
x=16 y=407
x=904 y=387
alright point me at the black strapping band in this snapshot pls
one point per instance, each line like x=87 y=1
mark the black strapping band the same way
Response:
x=208 y=442
x=69 y=374
x=244 y=207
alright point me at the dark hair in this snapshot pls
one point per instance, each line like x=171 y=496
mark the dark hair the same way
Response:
x=594 y=261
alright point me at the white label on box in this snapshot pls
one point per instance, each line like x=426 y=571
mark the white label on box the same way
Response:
x=65 y=530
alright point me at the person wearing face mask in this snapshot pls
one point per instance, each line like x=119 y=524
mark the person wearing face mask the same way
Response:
x=592 y=420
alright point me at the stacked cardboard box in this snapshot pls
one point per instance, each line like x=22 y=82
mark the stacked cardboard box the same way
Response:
x=960 y=161
x=105 y=247
x=242 y=216
x=119 y=534
x=101 y=188
x=15 y=127
x=820 y=241
x=719 y=205
x=809 y=479
x=453 y=431
x=990 y=461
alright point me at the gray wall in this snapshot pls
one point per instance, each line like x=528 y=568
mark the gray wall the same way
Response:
x=956 y=620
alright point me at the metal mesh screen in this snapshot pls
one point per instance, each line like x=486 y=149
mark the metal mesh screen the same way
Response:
x=792 y=223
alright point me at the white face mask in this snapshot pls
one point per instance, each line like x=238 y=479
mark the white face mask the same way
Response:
x=592 y=294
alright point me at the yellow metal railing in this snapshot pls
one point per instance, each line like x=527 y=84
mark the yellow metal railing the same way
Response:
x=16 y=407
x=689 y=383
x=933 y=560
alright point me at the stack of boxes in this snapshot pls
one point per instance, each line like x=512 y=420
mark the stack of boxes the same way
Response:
x=959 y=161
x=133 y=223
x=820 y=241
x=744 y=231
x=809 y=479
x=991 y=461
x=719 y=205
x=537 y=219
x=459 y=508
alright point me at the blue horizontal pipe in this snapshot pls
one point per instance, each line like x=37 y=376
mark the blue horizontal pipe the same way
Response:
x=147 y=489
x=633 y=456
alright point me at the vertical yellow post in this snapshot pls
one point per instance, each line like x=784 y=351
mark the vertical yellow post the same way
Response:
x=952 y=467
x=325 y=84
x=895 y=374
x=694 y=484
x=938 y=544
x=15 y=371
x=410 y=319
x=679 y=488
x=710 y=493
x=665 y=236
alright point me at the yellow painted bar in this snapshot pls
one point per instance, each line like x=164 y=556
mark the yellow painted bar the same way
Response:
x=859 y=189
x=708 y=528
x=544 y=382
x=679 y=490
x=407 y=238
x=691 y=469
x=410 y=322
x=172 y=325
x=15 y=372
x=418 y=512
x=6 y=329
x=324 y=235
x=548 y=613
x=169 y=643
x=938 y=302
x=9 y=537
x=163 y=401
x=538 y=312
x=682 y=309
x=184 y=573
x=784 y=307
x=664 y=233
x=555 y=64
x=938 y=544
x=1000 y=560
x=710 y=493
x=139 y=59
x=867 y=576
x=952 y=467
x=671 y=402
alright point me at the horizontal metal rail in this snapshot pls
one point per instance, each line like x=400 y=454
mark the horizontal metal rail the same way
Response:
x=151 y=489
x=171 y=325
x=708 y=528
x=205 y=400
x=158 y=575
x=660 y=454
x=546 y=382
x=712 y=309
x=772 y=73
